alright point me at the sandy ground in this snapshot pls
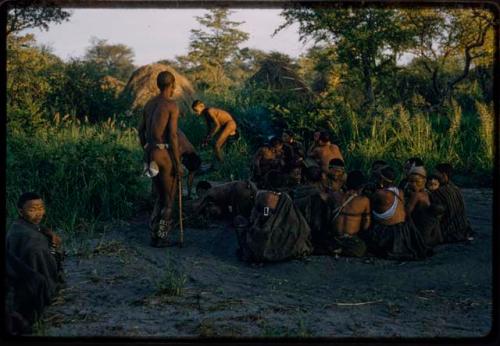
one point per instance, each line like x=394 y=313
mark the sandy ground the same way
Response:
x=121 y=286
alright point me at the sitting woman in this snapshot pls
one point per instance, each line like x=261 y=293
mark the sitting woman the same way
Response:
x=393 y=236
x=424 y=213
x=351 y=216
x=276 y=230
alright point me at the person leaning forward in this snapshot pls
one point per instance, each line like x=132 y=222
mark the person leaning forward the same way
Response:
x=159 y=138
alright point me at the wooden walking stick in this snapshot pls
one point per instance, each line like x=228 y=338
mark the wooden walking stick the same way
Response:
x=181 y=243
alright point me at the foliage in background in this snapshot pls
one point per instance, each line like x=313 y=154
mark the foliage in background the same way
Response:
x=69 y=126
x=86 y=173
x=25 y=14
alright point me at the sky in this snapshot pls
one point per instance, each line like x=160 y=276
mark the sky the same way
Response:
x=156 y=34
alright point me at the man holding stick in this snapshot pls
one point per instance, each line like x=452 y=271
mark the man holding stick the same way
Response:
x=158 y=135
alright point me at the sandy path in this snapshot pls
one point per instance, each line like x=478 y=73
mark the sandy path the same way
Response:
x=113 y=289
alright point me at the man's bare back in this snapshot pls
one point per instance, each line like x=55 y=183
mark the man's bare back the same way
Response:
x=354 y=217
x=216 y=119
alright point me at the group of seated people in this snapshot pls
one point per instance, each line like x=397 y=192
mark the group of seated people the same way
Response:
x=299 y=203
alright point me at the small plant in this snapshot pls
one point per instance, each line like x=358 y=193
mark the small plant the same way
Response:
x=172 y=282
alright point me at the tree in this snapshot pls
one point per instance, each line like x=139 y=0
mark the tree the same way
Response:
x=450 y=37
x=212 y=50
x=114 y=59
x=367 y=40
x=27 y=14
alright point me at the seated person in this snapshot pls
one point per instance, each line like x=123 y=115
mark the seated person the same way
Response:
x=293 y=175
x=392 y=236
x=351 y=216
x=216 y=119
x=424 y=214
x=33 y=248
x=277 y=230
x=315 y=142
x=268 y=158
x=336 y=176
x=226 y=200
x=371 y=185
x=408 y=165
x=325 y=151
x=189 y=157
x=454 y=224
x=313 y=178
x=293 y=150
x=311 y=200
x=432 y=182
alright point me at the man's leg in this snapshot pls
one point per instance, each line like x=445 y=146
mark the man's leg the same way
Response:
x=166 y=188
x=228 y=130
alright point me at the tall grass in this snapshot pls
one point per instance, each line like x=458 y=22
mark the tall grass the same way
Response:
x=86 y=173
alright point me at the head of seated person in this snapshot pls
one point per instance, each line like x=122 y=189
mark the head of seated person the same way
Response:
x=31 y=207
x=202 y=187
x=355 y=181
x=417 y=178
x=446 y=171
x=336 y=168
x=410 y=163
x=192 y=161
x=386 y=177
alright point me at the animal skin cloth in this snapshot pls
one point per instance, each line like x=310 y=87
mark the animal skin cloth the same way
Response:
x=280 y=235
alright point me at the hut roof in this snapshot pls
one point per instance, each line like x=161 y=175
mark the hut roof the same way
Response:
x=142 y=86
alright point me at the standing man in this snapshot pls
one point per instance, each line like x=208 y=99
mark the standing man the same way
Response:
x=158 y=135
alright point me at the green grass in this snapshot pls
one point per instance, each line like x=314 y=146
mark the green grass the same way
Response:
x=90 y=174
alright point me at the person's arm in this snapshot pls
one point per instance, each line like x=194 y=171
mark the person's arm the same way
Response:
x=173 y=137
x=215 y=123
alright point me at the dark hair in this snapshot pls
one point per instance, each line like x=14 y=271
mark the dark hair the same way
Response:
x=25 y=197
x=336 y=162
x=275 y=140
x=164 y=79
x=191 y=161
x=203 y=185
x=437 y=175
x=445 y=168
x=388 y=173
x=415 y=161
x=288 y=132
x=324 y=136
x=313 y=173
x=196 y=103
x=379 y=163
x=355 y=180
x=274 y=179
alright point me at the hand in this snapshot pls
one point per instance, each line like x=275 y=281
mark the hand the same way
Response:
x=56 y=240
x=180 y=171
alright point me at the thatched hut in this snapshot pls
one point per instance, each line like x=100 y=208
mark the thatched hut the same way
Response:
x=278 y=74
x=142 y=86
x=112 y=83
